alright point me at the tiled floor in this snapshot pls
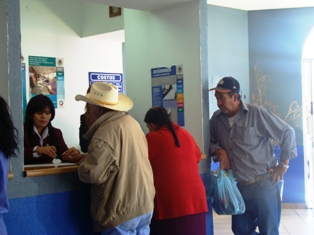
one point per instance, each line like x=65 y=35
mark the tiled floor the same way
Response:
x=293 y=222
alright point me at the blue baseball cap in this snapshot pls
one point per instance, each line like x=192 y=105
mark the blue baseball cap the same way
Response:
x=227 y=84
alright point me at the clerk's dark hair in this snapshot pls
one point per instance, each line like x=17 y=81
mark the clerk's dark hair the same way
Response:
x=159 y=117
x=38 y=104
x=8 y=133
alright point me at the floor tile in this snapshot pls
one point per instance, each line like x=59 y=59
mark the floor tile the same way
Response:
x=293 y=222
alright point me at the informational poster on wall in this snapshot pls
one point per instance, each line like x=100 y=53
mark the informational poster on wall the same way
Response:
x=46 y=76
x=112 y=78
x=168 y=91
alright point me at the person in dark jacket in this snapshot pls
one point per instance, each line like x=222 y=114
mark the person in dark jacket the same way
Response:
x=42 y=141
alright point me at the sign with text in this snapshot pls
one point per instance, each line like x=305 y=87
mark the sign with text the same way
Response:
x=46 y=76
x=168 y=91
x=113 y=78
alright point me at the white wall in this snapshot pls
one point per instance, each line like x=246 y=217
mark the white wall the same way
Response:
x=46 y=33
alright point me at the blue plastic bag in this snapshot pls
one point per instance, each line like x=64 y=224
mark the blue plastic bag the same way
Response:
x=227 y=198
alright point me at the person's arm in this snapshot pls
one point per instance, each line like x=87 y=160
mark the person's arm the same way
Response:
x=59 y=142
x=63 y=152
x=284 y=135
x=279 y=170
x=288 y=151
x=99 y=163
x=221 y=156
x=217 y=153
x=30 y=149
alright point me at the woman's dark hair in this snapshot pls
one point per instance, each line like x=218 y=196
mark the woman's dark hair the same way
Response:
x=159 y=117
x=8 y=133
x=38 y=104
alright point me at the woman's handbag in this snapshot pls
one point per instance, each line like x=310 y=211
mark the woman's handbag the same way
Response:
x=227 y=198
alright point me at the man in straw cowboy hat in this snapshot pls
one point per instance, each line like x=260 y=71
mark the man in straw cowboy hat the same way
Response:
x=116 y=165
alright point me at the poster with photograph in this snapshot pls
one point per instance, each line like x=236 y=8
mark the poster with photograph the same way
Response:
x=46 y=76
x=168 y=91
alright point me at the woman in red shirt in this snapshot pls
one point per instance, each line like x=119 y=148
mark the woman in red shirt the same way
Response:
x=180 y=200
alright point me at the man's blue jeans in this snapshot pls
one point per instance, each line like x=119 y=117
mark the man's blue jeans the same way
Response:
x=263 y=209
x=136 y=226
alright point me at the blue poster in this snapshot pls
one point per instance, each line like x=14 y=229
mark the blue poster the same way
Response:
x=113 y=78
x=168 y=91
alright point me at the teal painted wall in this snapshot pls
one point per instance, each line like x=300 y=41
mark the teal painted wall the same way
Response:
x=228 y=52
x=276 y=39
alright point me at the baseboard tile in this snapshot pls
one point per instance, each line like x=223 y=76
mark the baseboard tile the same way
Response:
x=294 y=206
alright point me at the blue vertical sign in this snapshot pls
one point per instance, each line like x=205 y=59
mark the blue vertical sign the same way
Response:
x=113 y=78
x=168 y=91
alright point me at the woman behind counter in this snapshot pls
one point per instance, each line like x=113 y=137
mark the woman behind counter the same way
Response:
x=180 y=201
x=8 y=146
x=43 y=142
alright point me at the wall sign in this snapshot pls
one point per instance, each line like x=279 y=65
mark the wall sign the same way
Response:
x=46 y=76
x=168 y=91
x=113 y=78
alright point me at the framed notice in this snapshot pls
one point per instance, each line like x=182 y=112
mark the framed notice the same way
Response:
x=114 y=11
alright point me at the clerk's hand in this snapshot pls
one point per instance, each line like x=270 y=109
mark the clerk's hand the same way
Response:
x=50 y=151
x=223 y=159
x=71 y=152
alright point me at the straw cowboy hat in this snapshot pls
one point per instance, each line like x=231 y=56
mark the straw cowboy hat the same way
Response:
x=106 y=95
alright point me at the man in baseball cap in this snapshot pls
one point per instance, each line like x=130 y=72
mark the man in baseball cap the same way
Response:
x=227 y=84
x=240 y=139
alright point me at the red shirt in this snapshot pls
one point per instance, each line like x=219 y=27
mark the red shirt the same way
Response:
x=179 y=188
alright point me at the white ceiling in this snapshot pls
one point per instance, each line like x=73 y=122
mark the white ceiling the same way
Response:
x=151 y=5
x=248 y=5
